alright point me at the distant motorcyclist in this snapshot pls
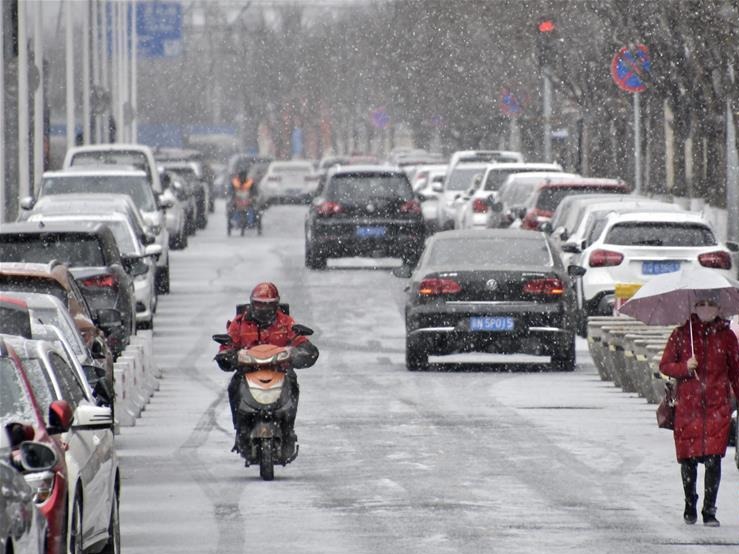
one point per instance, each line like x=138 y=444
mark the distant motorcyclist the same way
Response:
x=263 y=322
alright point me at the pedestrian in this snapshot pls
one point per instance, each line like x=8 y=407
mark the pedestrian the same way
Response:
x=703 y=356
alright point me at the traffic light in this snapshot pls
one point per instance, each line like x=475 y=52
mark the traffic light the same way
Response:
x=546 y=39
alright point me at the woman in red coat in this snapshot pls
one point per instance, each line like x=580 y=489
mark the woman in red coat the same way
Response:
x=705 y=369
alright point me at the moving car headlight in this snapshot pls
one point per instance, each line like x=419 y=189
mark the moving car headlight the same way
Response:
x=267 y=396
x=42 y=484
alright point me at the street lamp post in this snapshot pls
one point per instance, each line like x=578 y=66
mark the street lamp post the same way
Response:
x=69 y=52
x=23 y=127
x=38 y=100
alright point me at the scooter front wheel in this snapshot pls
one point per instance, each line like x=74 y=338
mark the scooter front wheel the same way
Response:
x=266 y=462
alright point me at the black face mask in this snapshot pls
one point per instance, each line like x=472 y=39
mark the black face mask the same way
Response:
x=264 y=314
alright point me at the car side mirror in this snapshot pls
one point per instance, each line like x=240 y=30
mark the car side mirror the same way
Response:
x=562 y=233
x=148 y=239
x=570 y=248
x=732 y=246
x=27 y=203
x=153 y=250
x=97 y=349
x=60 y=417
x=521 y=212
x=546 y=227
x=437 y=187
x=494 y=205
x=576 y=271
x=302 y=330
x=135 y=266
x=165 y=201
x=37 y=457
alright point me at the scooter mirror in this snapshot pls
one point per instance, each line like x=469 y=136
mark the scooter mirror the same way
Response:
x=302 y=330
x=222 y=338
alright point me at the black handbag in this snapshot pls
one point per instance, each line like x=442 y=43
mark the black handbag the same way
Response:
x=666 y=409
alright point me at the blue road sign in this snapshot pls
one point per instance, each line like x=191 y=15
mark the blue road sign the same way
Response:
x=159 y=29
x=630 y=68
x=380 y=118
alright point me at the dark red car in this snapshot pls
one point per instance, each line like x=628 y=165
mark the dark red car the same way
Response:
x=544 y=200
x=22 y=418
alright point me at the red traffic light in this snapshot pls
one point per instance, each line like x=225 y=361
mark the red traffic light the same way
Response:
x=546 y=26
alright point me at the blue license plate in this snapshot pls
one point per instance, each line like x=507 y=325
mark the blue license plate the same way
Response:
x=491 y=324
x=370 y=232
x=657 y=268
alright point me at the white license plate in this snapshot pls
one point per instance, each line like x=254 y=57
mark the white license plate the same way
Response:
x=489 y=323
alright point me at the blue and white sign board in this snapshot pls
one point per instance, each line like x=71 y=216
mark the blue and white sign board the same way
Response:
x=159 y=29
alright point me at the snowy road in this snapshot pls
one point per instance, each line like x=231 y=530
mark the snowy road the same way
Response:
x=390 y=461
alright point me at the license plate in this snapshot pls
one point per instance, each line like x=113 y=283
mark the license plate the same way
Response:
x=491 y=324
x=370 y=232
x=657 y=268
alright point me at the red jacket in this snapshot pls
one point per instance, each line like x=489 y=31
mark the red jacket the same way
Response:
x=702 y=408
x=245 y=333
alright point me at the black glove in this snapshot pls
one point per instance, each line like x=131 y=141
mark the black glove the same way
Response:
x=227 y=360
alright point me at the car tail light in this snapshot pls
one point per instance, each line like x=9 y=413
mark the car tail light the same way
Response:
x=549 y=286
x=716 y=260
x=479 y=206
x=101 y=281
x=605 y=258
x=410 y=207
x=436 y=287
x=328 y=208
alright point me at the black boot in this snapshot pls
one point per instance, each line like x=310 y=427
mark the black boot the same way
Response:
x=689 y=474
x=712 y=481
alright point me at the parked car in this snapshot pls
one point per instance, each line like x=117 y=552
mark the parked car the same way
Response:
x=429 y=195
x=91 y=252
x=57 y=280
x=633 y=247
x=364 y=211
x=199 y=164
x=138 y=259
x=180 y=217
x=499 y=290
x=22 y=420
x=472 y=211
x=288 y=181
x=81 y=204
x=539 y=207
x=198 y=186
x=92 y=465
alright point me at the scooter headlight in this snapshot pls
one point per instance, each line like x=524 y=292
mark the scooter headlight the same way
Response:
x=266 y=396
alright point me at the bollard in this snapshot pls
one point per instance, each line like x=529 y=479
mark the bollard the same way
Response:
x=124 y=413
x=137 y=394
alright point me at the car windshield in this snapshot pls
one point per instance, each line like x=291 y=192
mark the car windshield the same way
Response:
x=43 y=389
x=550 y=197
x=461 y=177
x=14 y=403
x=514 y=193
x=636 y=233
x=74 y=249
x=488 y=252
x=137 y=187
x=362 y=188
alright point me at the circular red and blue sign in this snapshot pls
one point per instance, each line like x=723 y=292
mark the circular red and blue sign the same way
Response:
x=630 y=68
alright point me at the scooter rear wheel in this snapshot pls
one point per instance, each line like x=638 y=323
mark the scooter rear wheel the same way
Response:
x=266 y=462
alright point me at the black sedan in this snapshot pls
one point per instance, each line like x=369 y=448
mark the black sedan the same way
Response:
x=499 y=291
x=364 y=211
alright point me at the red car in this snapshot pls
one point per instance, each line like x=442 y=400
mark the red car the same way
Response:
x=541 y=204
x=22 y=418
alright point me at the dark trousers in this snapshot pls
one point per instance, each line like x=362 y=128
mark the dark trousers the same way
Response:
x=689 y=473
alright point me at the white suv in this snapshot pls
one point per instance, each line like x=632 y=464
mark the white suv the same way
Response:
x=633 y=247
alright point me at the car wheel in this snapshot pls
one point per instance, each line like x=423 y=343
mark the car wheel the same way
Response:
x=565 y=360
x=163 y=280
x=74 y=543
x=416 y=356
x=113 y=546
x=313 y=260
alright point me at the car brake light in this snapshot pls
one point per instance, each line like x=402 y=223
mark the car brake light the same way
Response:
x=479 y=206
x=605 y=258
x=411 y=207
x=328 y=208
x=534 y=218
x=549 y=286
x=100 y=281
x=716 y=260
x=436 y=287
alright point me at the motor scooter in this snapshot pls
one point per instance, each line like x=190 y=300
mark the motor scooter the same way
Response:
x=243 y=213
x=266 y=406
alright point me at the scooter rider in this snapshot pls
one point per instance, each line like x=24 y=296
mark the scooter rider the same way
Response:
x=263 y=322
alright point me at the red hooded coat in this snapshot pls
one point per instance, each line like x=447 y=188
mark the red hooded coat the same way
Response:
x=702 y=408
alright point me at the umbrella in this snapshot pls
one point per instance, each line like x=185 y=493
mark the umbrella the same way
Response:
x=668 y=299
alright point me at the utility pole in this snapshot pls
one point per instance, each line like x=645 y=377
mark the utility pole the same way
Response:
x=23 y=104
x=69 y=52
x=38 y=99
x=2 y=113
x=732 y=167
